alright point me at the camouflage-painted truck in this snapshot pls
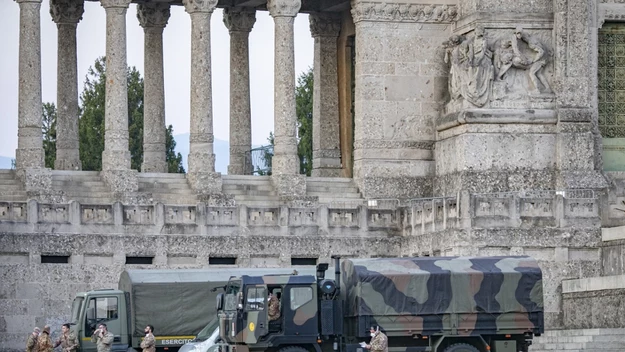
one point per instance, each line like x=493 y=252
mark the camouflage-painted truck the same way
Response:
x=447 y=304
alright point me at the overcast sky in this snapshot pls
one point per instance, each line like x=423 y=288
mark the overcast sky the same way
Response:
x=177 y=48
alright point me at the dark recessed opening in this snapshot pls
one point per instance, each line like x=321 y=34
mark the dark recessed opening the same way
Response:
x=54 y=259
x=139 y=260
x=222 y=260
x=303 y=261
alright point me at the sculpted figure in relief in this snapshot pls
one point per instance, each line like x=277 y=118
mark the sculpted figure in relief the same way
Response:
x=481 y=70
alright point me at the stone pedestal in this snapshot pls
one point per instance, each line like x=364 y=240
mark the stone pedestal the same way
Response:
x=201 y=174
x=285 y=162
x=326 y=143
x=66 y=14
x=29 y=153
x=116 y=170
x=153 y=18
x=240 y=22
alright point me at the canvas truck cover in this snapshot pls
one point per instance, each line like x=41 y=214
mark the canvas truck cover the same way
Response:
x=429 y=295
x=178 y=302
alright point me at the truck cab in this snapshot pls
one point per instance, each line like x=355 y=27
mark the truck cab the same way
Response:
x=92 y=308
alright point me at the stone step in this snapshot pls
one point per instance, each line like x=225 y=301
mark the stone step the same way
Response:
x=9 y=182
x=14 y=198
x=251 y=193
x=253 y=187
x=92 y=182
x=8 y=176
x=79 y=189
x=164 y=181
x=337 y=195
x=259 y=204
x=157 y=186
x=161 y=176
x=331 y=189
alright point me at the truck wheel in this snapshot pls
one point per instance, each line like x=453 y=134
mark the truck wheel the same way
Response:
x=461 y=347
x=293 y=349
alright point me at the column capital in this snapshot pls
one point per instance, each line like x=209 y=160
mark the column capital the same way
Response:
x=283 y=8
x=193 y=6
x=153 y=14
x=115 y=3
x=239 y=19
x=67 y=11
x=325 y=24
x=23 y=1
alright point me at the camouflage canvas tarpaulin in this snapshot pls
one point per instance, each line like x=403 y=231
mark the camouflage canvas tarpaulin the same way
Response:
x=491 y=292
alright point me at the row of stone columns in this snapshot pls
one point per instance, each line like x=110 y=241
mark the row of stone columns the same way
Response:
x=153 y=18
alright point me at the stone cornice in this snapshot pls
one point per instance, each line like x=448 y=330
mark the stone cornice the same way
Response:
x=115 y=3
x=193 y=6
x=67 y=11
x=610 y=12
x=153 y=14
x=385 y=12
x=239 y=20
x=324 y=24
x=26 y=1
x=283 y=8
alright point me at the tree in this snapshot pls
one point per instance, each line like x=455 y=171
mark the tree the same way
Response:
x=174 y=161
x=304 y=112
x=91 y=123
x=49 y=133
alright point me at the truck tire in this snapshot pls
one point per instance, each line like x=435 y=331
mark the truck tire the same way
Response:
x=461 y=347
x=293 y=349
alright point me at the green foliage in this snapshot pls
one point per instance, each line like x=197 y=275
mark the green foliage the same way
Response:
x=49 y=133
x=174 y=160
x=266 y=156
x=91 y=123
x=304 y=112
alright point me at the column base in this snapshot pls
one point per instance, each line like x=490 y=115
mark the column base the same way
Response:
x=29 y=158
x=326 y=163
x=157 y=166
x=37 y=180
x=205 y=183
x=289 y=185
x=328 y=171
x=116 y=160
x=68 y=163
x=121 y=181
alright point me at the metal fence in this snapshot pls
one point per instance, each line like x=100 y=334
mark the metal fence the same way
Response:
x=258 y=160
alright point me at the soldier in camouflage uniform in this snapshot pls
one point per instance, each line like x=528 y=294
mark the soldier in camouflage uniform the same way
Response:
x=44 y=344
x=32 y=340
x=67 y=340
x=102 y=338
x=149 y=343
x=379 y=341
x=274 y=307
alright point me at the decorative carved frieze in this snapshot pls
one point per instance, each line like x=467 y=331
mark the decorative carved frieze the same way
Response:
x=384 y=12
x=239 y=19
x=153 y=14
x=283 y=8
x=192 y=6
x=324 y=24
x=67 y=11
x=115 y=3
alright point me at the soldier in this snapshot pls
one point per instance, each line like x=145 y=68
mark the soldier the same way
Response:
x=379 y=341
x=149 y=343
x=67 y=340
x=32 y=340
x=102 y=338
x=44 y=344
x=274 y=307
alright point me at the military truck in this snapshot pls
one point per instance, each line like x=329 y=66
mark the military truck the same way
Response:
x=178 y=303
x=446 y=304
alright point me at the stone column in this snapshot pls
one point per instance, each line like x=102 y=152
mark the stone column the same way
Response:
x=66 y=14
x=153 y=18
x=326 y=142
x=201 y=174
x=285 y=163
x=240 y=22
x=29 y=153
x=116 y=156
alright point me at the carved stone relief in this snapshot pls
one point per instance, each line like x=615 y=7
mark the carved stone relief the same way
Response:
x=373 y=11
x=500 y=69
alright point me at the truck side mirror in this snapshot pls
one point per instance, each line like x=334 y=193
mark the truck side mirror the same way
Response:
x=220 y=302
x=240 y=300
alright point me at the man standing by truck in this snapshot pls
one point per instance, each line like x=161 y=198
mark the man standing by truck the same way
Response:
x=102 y=338
x=149 y=343
x=67 y=340
x=32 y=340
x=379 y=341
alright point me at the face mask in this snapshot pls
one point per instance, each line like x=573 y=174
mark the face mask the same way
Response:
x=372 y=334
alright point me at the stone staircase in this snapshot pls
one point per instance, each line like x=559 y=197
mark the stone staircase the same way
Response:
x=10 y=187
x=167 y=188
x=253 y=191
x=85 y=187
x=334 y=191
x=605 y=340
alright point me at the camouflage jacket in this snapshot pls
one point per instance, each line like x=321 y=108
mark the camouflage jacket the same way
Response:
x=69 y=342
x=149 y=343
x=44 y=344
x=379 y=342
x=103 y=343
x=31 y=343
x=274 y=308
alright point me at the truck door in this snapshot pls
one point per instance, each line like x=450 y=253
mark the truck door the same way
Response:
x=300 y=311
x=255 y=314
x=100 y=310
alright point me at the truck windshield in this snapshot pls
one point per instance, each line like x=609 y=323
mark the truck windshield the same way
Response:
x=208 y=330
x=76 y=309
